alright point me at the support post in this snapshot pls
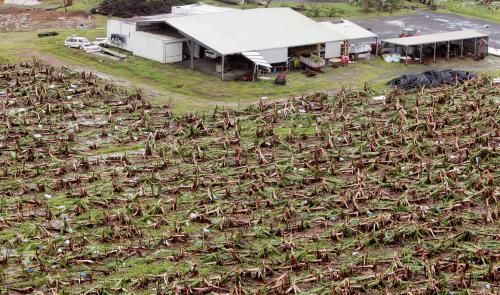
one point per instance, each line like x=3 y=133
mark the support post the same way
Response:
x=191 y=50
x=318 y=49
x=421 y=49
x=376 y=46
x=487 y=40
x=406 y=53
x=475 y=46
x=448 y=51
x=462 y=49
x=222 y=67
x=435 y=45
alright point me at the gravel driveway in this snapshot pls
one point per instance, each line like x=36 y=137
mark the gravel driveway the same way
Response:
x=430 y=22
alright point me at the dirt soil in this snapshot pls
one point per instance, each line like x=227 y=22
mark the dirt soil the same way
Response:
x=430 y=22
x=29 y=19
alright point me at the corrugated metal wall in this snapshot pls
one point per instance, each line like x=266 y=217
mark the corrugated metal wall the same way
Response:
x=277 y=55
x=332 y=49
x=157 y=49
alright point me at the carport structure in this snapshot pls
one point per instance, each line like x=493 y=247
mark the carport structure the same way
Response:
x=479 y=40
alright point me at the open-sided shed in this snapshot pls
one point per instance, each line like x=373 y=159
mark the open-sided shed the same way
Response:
x=270 y=32
x=471 y=40
x=260 y=36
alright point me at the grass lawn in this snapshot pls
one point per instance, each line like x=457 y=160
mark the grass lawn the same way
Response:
x=470 y=9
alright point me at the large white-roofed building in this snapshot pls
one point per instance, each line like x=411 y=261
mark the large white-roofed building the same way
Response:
x=264 y=36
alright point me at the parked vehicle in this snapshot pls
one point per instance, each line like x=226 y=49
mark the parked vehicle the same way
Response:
x=210 y=54
x=408 y=32
x=76 y=42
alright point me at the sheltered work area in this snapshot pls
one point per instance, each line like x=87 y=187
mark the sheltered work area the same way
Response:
x=272 y=32
x=449 y=44
x=219 y=40
x=357 y=40
x=258 y=60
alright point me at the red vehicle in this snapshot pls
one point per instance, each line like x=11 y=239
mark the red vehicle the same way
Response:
x=408 y=32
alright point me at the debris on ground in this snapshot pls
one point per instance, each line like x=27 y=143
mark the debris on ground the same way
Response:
x=103 y=192
x=394 y=57
x=379 y=98
x=100 y=48
x=431 y=78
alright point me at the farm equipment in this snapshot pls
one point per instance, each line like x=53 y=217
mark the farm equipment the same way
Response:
x=312 y=61
x=280 y=79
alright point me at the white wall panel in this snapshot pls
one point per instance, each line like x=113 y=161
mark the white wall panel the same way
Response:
x=277 y=55
x=332 y=49
x=173 y=52
x=149 y=47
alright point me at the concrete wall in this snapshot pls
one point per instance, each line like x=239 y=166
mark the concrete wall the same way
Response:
x=272 y=56
x=124 y=29
x=332 y=49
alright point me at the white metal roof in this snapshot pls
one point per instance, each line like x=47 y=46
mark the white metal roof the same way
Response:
x=238 y=31
x=163 y=37
x=183 y=10
x=198 y=8
x=149 y=18
x=257 y=59
x=435 y=38
x=350 y=30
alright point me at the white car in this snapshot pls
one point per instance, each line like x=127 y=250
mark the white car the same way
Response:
x=76 y=42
